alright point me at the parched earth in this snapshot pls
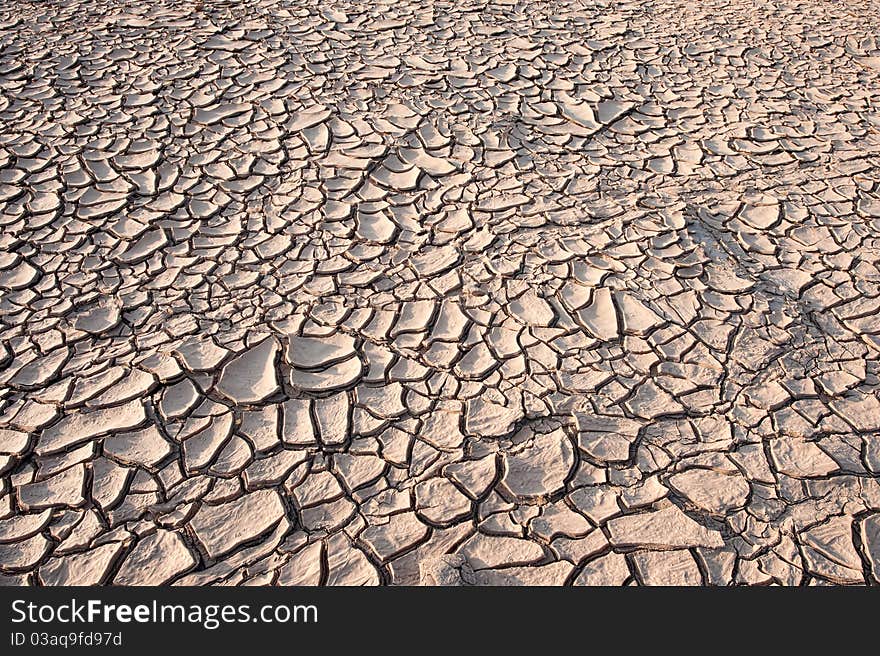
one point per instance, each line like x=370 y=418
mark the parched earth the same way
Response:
x=440 y=292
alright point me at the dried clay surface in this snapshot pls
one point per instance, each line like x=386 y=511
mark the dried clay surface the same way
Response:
x=441 y=293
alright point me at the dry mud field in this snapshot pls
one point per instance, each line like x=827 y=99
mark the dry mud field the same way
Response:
x=439 y=292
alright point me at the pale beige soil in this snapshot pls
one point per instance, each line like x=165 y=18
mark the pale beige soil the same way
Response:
x=443 y=293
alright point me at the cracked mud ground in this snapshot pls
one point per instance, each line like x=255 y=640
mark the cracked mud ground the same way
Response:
x=440 y=293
